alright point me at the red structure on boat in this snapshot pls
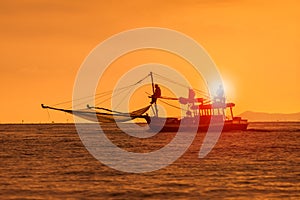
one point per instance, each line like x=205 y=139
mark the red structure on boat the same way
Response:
x=208 y=115
x=201 y=115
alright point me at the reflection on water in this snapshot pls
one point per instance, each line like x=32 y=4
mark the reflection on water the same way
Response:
x=49 y=161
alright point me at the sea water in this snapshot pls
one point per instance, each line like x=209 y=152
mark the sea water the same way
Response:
x=49 y=161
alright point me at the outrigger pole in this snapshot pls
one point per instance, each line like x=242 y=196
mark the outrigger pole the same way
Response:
x=156 y=110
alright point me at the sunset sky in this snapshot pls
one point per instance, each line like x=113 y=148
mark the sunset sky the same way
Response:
x=255 y=45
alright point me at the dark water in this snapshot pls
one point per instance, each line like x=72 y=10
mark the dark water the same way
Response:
x=50 y=162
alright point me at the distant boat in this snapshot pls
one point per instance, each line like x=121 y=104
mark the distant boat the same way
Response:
x=201 y=114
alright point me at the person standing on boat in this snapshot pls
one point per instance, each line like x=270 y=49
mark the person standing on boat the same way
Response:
x=220 y=94
x=156 y=94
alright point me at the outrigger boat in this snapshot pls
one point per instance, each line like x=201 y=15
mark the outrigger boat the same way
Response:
x=201 y=114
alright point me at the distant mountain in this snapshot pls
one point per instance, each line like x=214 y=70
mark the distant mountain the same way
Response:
x=261 y=116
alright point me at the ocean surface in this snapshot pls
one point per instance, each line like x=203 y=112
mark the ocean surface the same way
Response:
x=49 y=161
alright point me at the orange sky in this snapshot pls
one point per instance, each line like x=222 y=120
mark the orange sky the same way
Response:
x=255 y=45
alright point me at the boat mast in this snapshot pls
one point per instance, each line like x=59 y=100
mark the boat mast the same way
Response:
x=156 y=110
x=151 y=75
x=231 y=112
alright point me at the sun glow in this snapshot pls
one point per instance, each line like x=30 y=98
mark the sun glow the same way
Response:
x=229 y=89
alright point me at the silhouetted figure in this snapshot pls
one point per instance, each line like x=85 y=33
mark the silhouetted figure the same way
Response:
x=157 y=94
x=192 y=95
x=220 y=94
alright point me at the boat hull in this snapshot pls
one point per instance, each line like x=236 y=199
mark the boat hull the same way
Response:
x=159 y=124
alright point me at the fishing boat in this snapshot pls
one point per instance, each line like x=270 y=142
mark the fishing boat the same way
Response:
x=201 y=114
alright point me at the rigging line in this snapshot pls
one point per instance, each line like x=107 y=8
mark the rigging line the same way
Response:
x=102 y=94
x=140 y=81
x=116 y=94
x=117 y=106
x=49 y=118
x=122 y=88
x=172 y=105
x=167 y=79
x=197 y=90
x=87 y=97
x=203 y=94
x=100 y=108
x=119 y=90
x=182 y=85
x=172 y=81
x=90 y=97
x=152 y=109
x=201 y=91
